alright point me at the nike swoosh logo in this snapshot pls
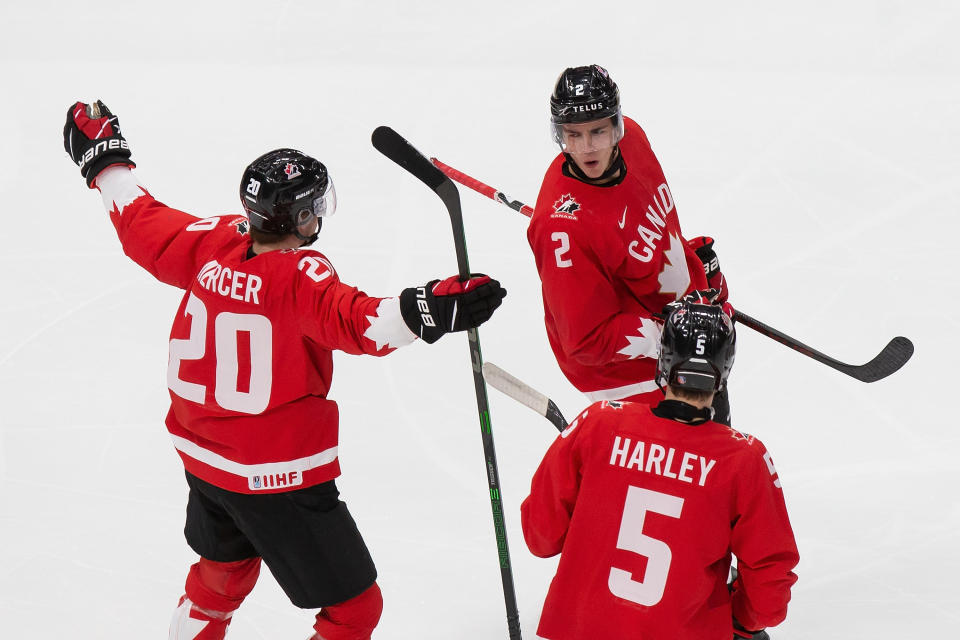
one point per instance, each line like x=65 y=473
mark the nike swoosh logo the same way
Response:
x=623 y=219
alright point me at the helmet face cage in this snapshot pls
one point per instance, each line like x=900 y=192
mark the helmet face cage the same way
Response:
x=281 y=189
x=698 y=347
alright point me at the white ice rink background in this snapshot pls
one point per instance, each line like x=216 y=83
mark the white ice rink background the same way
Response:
x=817 y=141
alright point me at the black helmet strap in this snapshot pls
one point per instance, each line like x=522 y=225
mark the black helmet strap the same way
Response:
x=309 y=240
x=616 y=164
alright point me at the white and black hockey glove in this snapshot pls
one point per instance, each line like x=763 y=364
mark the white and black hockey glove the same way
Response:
x=443 y=306
x=92 y=138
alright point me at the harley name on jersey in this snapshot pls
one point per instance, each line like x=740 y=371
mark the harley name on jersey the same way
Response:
x=660 y=460
x=229 y=283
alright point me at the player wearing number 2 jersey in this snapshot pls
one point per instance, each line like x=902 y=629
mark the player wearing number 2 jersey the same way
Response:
x=608 y=244
x=249 y=370
x=645 y=505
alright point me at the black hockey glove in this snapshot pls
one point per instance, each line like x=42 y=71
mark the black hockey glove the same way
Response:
x=706 y=296
x=739 y=633
x=703 y=247
x=442 y=306
x=92 y=138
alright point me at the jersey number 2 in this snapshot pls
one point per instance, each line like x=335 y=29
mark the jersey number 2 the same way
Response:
x=564 y=240
x=226 y=327
x=648 y=591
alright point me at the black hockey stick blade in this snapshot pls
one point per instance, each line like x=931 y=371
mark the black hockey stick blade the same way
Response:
x=524 y=394
x=394 y=146
x=888 y=361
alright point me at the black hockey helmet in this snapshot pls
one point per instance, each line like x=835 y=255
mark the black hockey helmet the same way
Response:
x=697 y=347
x=584 y=94
x=282 y=188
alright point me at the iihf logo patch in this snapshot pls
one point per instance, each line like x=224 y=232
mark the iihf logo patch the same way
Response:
x=565 y=207
x=291 y=170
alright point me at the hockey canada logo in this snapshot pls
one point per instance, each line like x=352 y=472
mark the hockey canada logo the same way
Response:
x=613 y=404
x=736 y=435
x=243 y=227
x=565 y=207
x=291 y=170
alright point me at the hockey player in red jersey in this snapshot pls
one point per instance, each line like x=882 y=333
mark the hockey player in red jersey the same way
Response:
x=249 y=370
x=608 y=245
x=645 y=505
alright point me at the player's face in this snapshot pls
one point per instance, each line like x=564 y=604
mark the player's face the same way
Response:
x=591 y=145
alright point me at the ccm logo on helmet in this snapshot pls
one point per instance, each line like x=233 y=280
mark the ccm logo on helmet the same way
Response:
x=100 y=147
x=424 y=307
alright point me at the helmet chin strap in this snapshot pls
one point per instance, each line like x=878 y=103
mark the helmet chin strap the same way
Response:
x=309 y=240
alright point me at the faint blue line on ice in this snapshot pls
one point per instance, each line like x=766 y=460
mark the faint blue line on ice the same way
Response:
x=63 y=316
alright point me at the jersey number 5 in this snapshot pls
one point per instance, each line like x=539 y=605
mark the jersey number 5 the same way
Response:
x=648 y=591
x=226 y=327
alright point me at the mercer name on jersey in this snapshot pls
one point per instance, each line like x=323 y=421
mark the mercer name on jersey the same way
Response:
x=230 y=283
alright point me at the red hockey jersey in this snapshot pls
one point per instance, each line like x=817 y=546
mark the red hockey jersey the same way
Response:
x=250 y=349
x=645 y=512
x=610 y=257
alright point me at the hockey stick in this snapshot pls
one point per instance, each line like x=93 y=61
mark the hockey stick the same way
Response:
x=889 y=360
x=524 y=394
x=893 y=356
x=391 y=144
x=485 y=189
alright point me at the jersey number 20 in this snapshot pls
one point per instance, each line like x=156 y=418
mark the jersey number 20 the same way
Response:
x=226 y=327
x=648 y=591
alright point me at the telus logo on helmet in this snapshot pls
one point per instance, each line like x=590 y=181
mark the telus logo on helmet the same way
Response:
x=100 y=147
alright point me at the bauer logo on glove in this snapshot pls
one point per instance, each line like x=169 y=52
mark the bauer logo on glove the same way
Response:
x=443 y=306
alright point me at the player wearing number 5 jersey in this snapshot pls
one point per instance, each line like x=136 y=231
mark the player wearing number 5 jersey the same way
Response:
x=249 y=370
x=646 y=504
x=608 y=245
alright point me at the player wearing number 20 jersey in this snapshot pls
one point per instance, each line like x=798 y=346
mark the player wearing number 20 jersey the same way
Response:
x=250 y=347
x=647 y=504
x=249 y=370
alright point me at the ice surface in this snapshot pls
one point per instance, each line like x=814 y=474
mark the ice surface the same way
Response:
x=817 y=143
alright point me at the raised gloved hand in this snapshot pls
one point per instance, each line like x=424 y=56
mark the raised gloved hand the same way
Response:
x=703 y=247
x=739 y=633
x=442 y=306
x=92 y=138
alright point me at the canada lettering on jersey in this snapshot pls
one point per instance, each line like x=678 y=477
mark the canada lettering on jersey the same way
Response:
x=657 y=219
x=226 y=282
x=662 y=461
